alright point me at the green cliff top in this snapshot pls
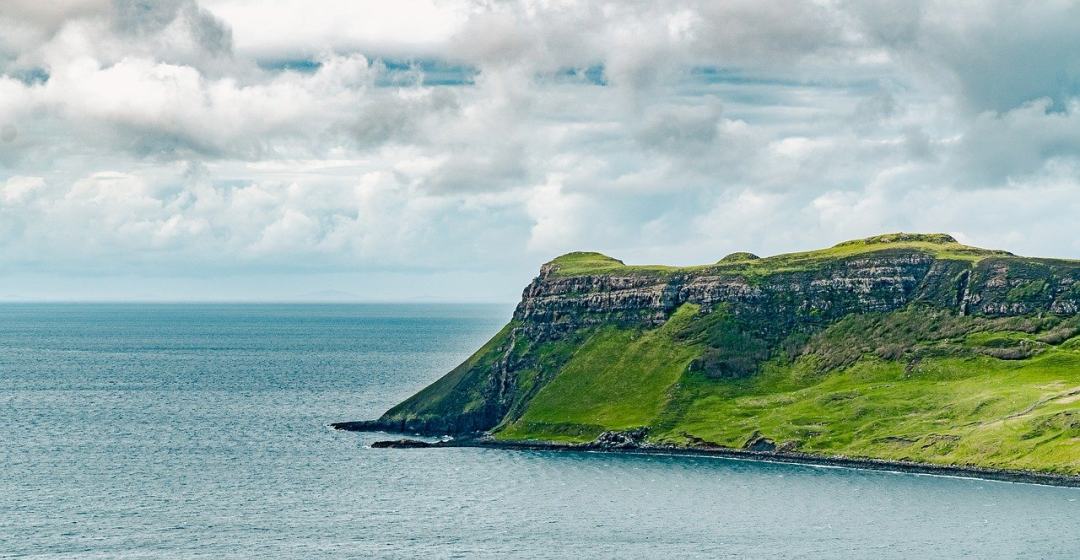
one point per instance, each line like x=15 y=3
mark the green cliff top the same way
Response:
x=938 y=245
x=739 y=257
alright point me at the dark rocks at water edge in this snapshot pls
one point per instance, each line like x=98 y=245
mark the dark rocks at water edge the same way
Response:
x=359 y=426
x=402 y=444
x=376 y=426
x=630 y=439
x=758 y=442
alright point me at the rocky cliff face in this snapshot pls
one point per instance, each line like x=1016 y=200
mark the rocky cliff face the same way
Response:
x=881 y=282
x=764 y=301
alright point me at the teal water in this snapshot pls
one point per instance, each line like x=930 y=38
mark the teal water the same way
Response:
x=199 y=431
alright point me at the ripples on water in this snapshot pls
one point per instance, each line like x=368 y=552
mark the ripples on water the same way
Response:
x=159 y=431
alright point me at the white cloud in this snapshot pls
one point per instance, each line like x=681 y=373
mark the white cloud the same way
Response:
x=1018 y=144
x=297 y=29
x=993 y=54
x=234 y=135
x=18 y=189
x=557 y=218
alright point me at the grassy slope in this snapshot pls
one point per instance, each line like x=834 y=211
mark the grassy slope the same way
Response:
x=617 y=379
x=459 y=391
x=910 y=385
x=974 y=411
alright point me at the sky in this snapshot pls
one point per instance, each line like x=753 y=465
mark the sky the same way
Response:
x=422 y=150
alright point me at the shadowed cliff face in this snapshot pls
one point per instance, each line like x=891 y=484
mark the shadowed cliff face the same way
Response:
x=882 y=282
x=746 y=311
x=553 y=304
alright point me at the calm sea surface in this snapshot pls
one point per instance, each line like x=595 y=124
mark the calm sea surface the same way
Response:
x=199 y=431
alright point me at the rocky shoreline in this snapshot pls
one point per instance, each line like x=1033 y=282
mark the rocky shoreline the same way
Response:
x=619 y=442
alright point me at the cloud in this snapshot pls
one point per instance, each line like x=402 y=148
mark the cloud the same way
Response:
x=18 y=189
x=292 y=29
x=681 y=129
x=162 y=110
x=238 y=136
x=1018 y=144
x=26 y=24
x=177 y=24
x=558 y=218
x=997 y=54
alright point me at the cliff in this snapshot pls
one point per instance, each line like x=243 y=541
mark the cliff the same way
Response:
x=900 y=346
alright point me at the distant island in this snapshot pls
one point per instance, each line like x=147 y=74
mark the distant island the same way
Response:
x=899 y=349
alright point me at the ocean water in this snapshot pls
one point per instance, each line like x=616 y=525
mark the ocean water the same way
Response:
x=199 y=431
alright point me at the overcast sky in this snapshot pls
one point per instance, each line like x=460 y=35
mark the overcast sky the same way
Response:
x=251 y=149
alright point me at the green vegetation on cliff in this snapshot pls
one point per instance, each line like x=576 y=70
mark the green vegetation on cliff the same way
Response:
x=938 y=245
x=913 y=385
x=935 y=393
x=900 y=347
x=617 y=379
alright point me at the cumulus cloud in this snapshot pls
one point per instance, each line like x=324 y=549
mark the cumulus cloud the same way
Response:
x=996 y=54
x=1018 y=144
x=682 y=129
x=18 y=189
x=242 y=136
x=292 y=29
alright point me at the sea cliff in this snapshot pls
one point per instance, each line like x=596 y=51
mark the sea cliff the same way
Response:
x=903 y=347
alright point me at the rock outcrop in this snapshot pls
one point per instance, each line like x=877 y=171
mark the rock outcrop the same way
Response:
x=402 y=444
x=629 y=439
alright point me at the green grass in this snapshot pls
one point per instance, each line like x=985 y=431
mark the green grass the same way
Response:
x=458 y=392
x=932 y=395
x=1022 y=414
x=618 y=379
x=939 y=246
x=584 y=263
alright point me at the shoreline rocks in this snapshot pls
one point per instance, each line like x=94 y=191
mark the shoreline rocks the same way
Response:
x=403 y=443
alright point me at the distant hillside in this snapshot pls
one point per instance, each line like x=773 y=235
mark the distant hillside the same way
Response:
x=898 y=347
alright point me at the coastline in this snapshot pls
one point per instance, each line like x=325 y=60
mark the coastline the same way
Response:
x=907 y=467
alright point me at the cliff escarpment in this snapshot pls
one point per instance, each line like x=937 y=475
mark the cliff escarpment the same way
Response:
x=900 y=346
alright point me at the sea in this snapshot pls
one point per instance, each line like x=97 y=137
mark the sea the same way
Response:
x=173 y=431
